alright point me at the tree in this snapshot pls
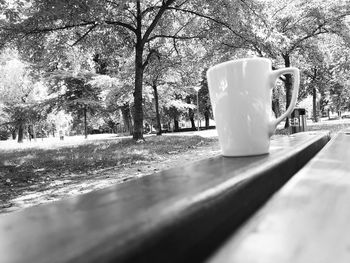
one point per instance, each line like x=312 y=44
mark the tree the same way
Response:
x=139 y=24
x=162 y=72
x=279 y=29
x=154 y=78
x=325 y=67
x=317 y=81
x=74 y=94
x=19 y=93
x=298 y=23
x=205 y=104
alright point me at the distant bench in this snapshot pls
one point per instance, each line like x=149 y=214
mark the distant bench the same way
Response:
x=185 y=214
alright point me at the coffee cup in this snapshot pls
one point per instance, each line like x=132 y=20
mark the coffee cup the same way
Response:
x=241 y=98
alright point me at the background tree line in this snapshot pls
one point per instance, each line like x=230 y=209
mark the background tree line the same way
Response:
x=127 y=63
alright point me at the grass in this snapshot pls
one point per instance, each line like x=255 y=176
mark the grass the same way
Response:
x=30 y=161
x=333 y=126
x=29 y=164
x=46 y=166
x=51 y=169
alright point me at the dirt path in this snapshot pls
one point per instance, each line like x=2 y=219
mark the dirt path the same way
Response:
x=54 y=188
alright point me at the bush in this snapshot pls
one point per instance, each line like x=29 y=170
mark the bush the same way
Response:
x=4 y=134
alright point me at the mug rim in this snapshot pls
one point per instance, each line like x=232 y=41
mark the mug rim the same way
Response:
x=236 y=61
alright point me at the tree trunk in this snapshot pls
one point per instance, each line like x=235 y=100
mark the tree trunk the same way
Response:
x=14 y=134
x=314 y=104
x=206 y=117
x=85 y=123
x=314 y=95
x=125 y=109
x=29 y=132
x=191 y=114
x=138 y=110
x=138 y=114
x=276 y=106
x=159 y=125
x=193 y=123
x=176 y=124
x=139 y=64
x=20 y=132
x=34 y=132
x=288 y=84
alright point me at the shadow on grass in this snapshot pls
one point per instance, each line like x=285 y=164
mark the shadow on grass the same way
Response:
x=23 y=169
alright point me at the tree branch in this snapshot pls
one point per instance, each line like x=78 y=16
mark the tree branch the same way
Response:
x=175 y=47
x=85 y=34
x=152 y=51
x=163 y=8
x=207 y=17
x=181 y=4
x=51 y=29
x=125 y=25
x=174 y=37
x=150 y=9
x=312 y=34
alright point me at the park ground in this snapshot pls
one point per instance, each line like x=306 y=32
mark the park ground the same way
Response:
x=48 y=170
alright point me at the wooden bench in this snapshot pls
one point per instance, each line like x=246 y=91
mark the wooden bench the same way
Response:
x=178 y=215
x=308 y=220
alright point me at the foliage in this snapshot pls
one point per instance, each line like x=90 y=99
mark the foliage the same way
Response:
x=20 y=93
x=166 y=46
x=74 y=94
x=280 y=30
x=140 y=26
x=204 y=98
x=4 y=133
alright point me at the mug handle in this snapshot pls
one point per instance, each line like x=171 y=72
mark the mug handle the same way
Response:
x=273 y=77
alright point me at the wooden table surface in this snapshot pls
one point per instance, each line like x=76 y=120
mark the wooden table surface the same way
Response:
x=176 y=215
x=307 y=221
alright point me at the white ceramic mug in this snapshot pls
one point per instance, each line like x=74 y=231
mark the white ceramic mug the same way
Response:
x=241 y=98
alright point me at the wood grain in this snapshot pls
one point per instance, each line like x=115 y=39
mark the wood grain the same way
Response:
x=178 y=215
x=307 y=221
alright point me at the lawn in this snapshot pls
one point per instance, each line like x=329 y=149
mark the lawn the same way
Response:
x=33 y=173
x=50 y=169
x=333 y=126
